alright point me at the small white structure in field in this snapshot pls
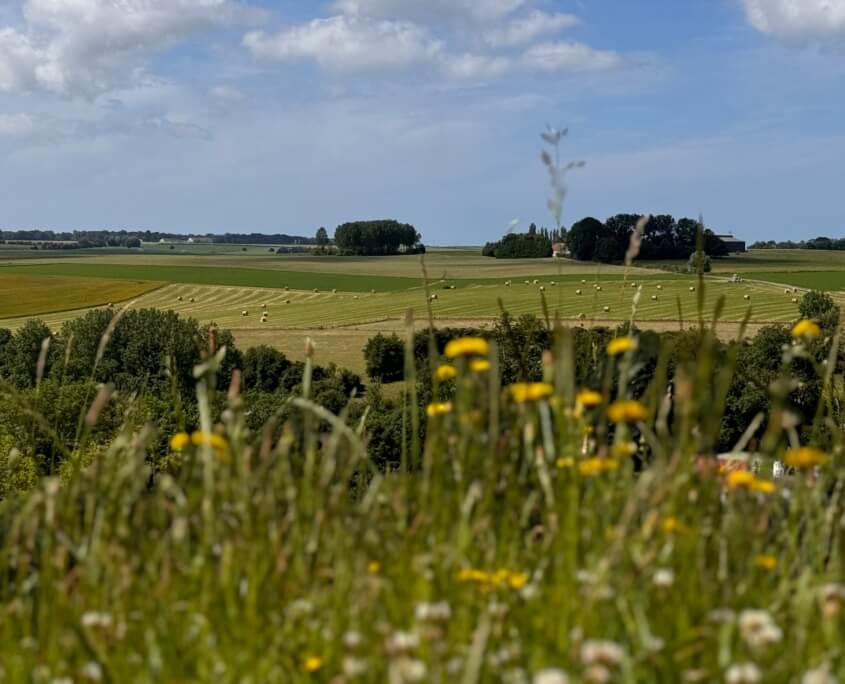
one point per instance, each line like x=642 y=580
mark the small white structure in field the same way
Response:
x=244 y=313
x=735 y=278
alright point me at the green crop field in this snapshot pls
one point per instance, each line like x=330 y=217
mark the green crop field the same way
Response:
x=31 y=295
x=358 y=296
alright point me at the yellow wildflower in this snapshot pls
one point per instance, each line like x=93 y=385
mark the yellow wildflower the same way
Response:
x=740 y=479
x=523 y=392
x=672 y=525
x=627 y=411
x=766 y=561
x=805 y=457
x=479 y=365
x=209 y=439
x=439 y=409
x=446 y=373
x=374 y=567
x=621 y=345
x=467 y=346
x=763 y=486
x=596 y=466
x=517 y=580
x=312 y=663
x=179 y=441
x=588 y=398
x=565 y=462
x=624 y=449
x=807 y=329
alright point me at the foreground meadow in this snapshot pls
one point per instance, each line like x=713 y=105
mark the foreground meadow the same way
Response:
x=539 y=532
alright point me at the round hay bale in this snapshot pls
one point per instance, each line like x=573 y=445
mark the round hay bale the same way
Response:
x=659 y=287
x=578 y=292
x=746 y=297
x=654 y=298
x=598 y=288
x=692 y=288
x=542 y=288
x=433 y=297
x=192 y=300
x=179 y=298
x=334 y=290
x=582 y=316
x=795 y=300
x=606 y=309
x=244 y=313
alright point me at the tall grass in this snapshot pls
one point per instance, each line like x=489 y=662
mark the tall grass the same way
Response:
x=539 y=533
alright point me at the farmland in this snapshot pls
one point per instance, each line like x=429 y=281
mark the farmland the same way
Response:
x=342 y=301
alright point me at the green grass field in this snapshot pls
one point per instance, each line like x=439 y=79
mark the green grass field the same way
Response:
x=31 y=295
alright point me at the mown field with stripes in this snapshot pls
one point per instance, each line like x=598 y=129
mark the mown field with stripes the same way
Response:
x=343 y=301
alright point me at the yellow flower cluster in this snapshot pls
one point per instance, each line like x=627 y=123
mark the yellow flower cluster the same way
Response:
x=807 y=329
x=445 y=373
x=805 y=457
x=524 y=392
x=592 y=467
x=492 y=580
x=181 y=440
x=479 y=365
x=627 y=411
x=766 y=561
x=467 y=346
x=621 y=345
x=744 y=479
x=312 y=663
x=440 y=408
x=588 y=398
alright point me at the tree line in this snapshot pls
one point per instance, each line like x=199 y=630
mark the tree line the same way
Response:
x=535 y=244
x=664 y=237
x=823 y=243
x=377 y=238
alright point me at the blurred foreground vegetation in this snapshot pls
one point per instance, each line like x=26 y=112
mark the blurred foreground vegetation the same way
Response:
x=541 y=505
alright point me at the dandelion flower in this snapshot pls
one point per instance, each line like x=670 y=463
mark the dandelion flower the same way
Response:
x=621 y=345
x=439 y=409
x=312 y=663
x=765 y=561
x=763 y=486
x=588 y=398
x=624 y=449
x=740 y=479
x=374 y=567
x=524 y=392
x=179 y=441
x=446 y=373
x=209 y=439
x=627 y=411
x=807 y=329
x=805 y=457
x=596 y=466
x=467 y=346
x=479 y=365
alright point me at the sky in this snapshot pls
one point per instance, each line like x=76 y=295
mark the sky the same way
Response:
x=286 y=115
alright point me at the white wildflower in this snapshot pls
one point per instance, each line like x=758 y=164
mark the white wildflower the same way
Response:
x=601 y=652
x=758 y=629
x=743 y=673
x=433 y=612
x=664 y=578
x=820 y=675
x=550 y=676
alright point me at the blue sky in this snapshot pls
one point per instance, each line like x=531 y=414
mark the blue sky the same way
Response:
x=282 y=115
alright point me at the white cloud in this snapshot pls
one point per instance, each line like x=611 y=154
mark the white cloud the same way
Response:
x=348 y=44
x=568 y=56
x=470 y=66
x=798 y=21
x=226 y=93
x=522 y=30
x=479 y=10
x=73 y=47
x=16 y=125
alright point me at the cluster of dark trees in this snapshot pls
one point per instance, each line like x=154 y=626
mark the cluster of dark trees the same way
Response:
x=535 y=244
x=826 y=243
x=377 y=238
x=663 y=238
x=149 y=363
x=260 y=239
x=134 y=238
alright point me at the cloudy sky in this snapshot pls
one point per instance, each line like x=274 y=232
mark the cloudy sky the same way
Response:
x=284 y=115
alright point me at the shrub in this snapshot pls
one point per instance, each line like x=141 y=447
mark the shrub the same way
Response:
x=385 y=358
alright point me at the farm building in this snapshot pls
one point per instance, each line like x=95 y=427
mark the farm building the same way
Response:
x=559 y=250
x=735 y=245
